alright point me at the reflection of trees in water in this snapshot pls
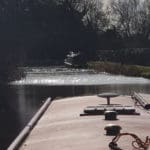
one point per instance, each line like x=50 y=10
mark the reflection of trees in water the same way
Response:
x=19 y=103
x=67 y=91
x=17 y=106
x=126 y=89
x=10 y=124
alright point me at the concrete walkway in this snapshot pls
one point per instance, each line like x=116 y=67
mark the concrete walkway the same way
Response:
x=62 y=127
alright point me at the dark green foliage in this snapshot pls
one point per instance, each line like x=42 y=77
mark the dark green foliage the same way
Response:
x=48 y=29
x=44 y=31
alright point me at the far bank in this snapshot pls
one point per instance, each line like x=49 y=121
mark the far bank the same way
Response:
x=118 y=68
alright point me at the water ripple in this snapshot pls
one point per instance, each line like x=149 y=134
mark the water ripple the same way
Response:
x=64 y=76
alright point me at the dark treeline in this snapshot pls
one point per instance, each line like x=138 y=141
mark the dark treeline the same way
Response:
x=43 y=29
x=37 y=31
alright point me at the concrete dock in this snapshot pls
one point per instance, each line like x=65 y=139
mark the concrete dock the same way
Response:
x=62 y=127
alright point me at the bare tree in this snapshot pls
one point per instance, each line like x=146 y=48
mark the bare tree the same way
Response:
x=145 y=19
x=90 y=12
x=95 y=15
x=131 y=17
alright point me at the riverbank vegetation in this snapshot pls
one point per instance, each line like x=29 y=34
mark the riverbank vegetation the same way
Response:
x=121 y=69
x=42 y=32
x=39 y=30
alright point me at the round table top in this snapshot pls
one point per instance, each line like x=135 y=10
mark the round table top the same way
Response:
x=105 y=95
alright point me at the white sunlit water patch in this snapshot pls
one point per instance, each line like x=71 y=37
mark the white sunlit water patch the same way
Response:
x=64 y=76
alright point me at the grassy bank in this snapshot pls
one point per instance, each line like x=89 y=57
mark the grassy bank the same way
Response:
x=117 y=68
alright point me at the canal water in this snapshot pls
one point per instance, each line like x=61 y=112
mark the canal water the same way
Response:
x=20 y=100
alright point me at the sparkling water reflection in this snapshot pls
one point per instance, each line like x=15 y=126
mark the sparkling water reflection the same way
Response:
x=64 y=76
